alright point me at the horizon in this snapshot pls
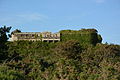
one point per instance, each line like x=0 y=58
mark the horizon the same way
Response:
x=53 y=16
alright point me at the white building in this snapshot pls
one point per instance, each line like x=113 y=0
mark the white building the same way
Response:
x=36 y=36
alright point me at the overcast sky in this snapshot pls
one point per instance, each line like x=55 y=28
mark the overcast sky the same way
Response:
x=55 y=15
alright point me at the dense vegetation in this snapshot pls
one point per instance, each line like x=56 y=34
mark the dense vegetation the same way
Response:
x=84 y=36
x=66 y=60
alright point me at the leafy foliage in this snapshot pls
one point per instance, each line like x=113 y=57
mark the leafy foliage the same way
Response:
x=69 y=49
x=84 y=36
x=3 y=39
x=16 y=31
x=10 y=74
x=66 y=60
x=3 y=35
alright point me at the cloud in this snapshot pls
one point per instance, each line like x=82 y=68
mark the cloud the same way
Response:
x=22 y=18
x=32 y=17
x=99 y=1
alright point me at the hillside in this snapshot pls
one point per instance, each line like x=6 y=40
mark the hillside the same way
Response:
x=79 y=56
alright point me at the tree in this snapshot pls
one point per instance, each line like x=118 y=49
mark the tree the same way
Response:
x=69 y=49
x=16 y=31
x=3 y=33
x=3 y=39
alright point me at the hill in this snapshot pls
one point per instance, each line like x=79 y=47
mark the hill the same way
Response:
x=70 y=59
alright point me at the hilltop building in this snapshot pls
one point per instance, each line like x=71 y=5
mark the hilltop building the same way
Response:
x=36 y=36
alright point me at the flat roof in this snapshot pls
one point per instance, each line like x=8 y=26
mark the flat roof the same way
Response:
x=28 y=33
x=34 y=32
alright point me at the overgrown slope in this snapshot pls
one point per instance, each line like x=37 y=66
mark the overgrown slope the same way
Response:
x=66 y=60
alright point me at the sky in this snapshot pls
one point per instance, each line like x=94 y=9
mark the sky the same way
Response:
x=56 y=15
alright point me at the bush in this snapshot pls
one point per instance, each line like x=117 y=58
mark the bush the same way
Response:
x=84 y=36
x=9 y=74
x=69 y=49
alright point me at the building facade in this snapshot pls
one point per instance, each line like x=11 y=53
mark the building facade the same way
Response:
x=36 y=36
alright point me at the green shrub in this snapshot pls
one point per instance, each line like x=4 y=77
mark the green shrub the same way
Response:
x=84 y=36
x=69 y=49
x=9 y=74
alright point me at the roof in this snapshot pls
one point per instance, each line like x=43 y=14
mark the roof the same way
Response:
x=35 y=33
